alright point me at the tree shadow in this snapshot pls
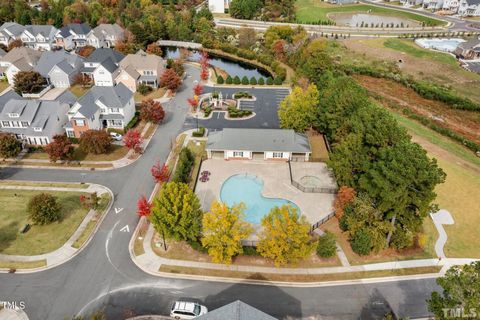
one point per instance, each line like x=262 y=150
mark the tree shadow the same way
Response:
x=8 y=234
x=377 y=307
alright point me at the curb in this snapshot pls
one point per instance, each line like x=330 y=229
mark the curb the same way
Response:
x=80 y=249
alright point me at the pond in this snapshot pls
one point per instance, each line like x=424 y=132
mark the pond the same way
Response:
x=375 y=20
x=442 y=44
x=233 y=68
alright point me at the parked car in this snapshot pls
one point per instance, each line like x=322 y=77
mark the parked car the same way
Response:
x=116 y=136
x=187 y=310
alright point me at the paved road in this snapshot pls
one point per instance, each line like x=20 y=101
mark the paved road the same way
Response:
x=102 y=276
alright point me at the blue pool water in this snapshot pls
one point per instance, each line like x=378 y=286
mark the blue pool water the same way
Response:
x=248 y=189
x=447 y=45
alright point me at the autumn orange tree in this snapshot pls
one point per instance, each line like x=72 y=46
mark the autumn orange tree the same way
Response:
x=144 y=208
x=170 y=80
x=133 y=140
x=204 y=64
x=345 y=196
x=151 y=111
x=160 y=173
x=154 y=48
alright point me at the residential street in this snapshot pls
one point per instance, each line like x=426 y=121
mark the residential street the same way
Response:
x=103 y=275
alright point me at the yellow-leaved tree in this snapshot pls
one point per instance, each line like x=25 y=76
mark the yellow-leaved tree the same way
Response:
x=285 y=237
x=223 y=231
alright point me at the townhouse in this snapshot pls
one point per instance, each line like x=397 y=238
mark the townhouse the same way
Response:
x=39 y=37
x=102 y=66
x=468 y=8
x=101 y=108
x=59 y=67
x=9 y=32
x=73 y=35
x=140 y=68
x=16 y=60
x=105 y=35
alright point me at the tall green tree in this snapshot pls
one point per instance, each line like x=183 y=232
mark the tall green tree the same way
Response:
x=10 y=146
x=176 y=213
x=298 y=110
x=245 y=9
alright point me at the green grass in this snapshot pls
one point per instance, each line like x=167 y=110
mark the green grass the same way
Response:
x=39 y=239
x=155 y=94
x=315 y=10
x=198 y=151
x=410 y=48
x=23 y=264
x=3 y=85
x=42 y=184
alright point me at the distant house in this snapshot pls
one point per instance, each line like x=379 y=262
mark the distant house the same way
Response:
x=102 y=66
x=10 y=31
x=18 y=59
x=39 y=37
x=33 y=121
x=469 y=8
x=140 y=68
x=218 y=6
x=105 y=35
x=237 y=310
x=411 y=2
x=101 y=108
x=59 y=67
x=469 y=50
x=259 y=144
x=73 y=35
x=342 y=1
x=451 y=5
x=433 y=4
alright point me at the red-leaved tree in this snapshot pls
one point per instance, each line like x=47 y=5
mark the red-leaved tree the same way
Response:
x=60 y=148
x=170 y=80
x=198 y=89
x=151 y=111
x=204 y=64
x=193 y=103
x=345 y=196
x=160 y=173
x=133 y=140
x=144 y=208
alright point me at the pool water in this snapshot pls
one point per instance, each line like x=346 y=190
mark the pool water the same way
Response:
x=447 y=45
x=248 y=189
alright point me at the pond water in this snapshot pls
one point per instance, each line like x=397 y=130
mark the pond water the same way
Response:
x=356 y=19
x=442 y=44
x=248 y=189
x=233 y=68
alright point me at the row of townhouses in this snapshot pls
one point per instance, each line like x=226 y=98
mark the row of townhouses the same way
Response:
x=461 y=7
x=104 y=67
x=71 y=36
x=36 y=121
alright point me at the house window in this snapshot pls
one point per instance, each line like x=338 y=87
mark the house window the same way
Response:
x=5 y=123
x=114 y=110
x=25 y=124
x=79 y=123
x=148 y=72
x=116 y=123
x=70 y=134
x=278 y=155
x=238 y=154
x=37 y=129
x=13 y=115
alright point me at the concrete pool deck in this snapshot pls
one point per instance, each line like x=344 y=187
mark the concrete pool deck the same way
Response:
x=276 y=178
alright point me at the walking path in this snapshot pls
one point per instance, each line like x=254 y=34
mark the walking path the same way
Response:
x=439 y=219
x=67 y=251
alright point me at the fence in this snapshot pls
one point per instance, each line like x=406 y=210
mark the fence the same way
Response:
x=322 y=221
x=249 y=243
x=38 y=94
x=313 y=189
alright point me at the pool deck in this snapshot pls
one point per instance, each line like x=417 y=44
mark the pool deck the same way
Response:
x=276 y=178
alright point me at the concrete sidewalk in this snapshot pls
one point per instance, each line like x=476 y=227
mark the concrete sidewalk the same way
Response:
x=66 y=251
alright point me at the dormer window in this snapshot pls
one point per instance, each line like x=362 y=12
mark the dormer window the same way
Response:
x=13 y=115
x=114 y=110
x=37 y=129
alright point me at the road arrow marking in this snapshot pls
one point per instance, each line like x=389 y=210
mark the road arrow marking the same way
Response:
x=125 y=229
x=118 y=210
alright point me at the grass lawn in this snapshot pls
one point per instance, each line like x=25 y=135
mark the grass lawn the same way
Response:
x=409 y=47
x=116 y=152
x=23 y=264
x=315 y=10
x=155 y=94
x=3 y=85
x=79 y=90
x=298 y=278
x=39 y=239
x=319 y=148
x=199 y=151
x=42 y=184
x=176 y=148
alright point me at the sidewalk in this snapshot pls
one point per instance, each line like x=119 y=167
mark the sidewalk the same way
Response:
x=66 y=251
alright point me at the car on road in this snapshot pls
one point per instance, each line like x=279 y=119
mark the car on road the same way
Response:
x=187 y=310
x=116 y=136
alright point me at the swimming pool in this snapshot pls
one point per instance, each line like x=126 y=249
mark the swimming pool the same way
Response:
x=447 y=45
x=248 y=189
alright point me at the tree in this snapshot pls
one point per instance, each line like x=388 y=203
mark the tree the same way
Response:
x=60 y=148
x=144 y=208
x=345 y=196
x=361 y=242
x=285 y=237
x=133 y=140
x=237 y=80
x=154 y=48
x=298 y=110
x=193 y=103
x=327 y=247
x=151 y=111
x=17 y=43
x=143 y=89
x=220 y=80
x=461 y=293
x=44 y=208
x=253 y=81
x=184 y=167
x=261 y=81
x=244 y=9
x=95 y=141
x=160 y=173
x=10 y=146
x=245 y=80
x=246 y=37
x=204 y=65
x=89 y=201
x=29 y=82
x=229 y=80
x=170 y=80
x=198 y=89
x=223 y=232
x=269 y=81
x=176 y=213
x=85 y=51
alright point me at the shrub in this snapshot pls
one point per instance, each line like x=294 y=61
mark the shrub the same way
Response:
x=261 y=81
x=278 y=81
x=250 y=251
x=245 y=80
x=133 y=122
x=95 y=141
x=229 y=80
x=253 y=81
x=60 y=148
x=207 y=111
x=238 y=113
x=402 y=238
x=10 y=147
x=220 y=80
x=361 y=242
x=237 y=80
x=269 y=81
x=44 y=209
x=143 y=89
x=199 y=133
x=242 y=94
x=184 y=166
x=327 y=246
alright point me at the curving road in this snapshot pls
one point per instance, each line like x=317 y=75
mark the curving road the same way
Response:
x=103 y=276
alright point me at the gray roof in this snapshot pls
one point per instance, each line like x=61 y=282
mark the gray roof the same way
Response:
x=236 y=311
x=67 y=97
x=112 y=97
x=77 y=28
x=105 y=29
x=473 y=66
x=26 y=109
x=2 y=52
x=110 y=65
x=258 y=140
x=7 y=96
x=43 y=29
x=13 y=27
x=469 y=44
x=473 y=2
x=67 y=62
x=102 y=54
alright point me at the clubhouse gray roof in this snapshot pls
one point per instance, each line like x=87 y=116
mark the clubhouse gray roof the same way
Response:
x=258 y=140
x=236 y=311
x=77 y=28
x=102 y=54
x=7 y=96
x=112 y=97
x=68 y=63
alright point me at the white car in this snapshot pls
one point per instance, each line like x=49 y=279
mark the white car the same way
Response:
x=116 y=136
x=187 y=310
